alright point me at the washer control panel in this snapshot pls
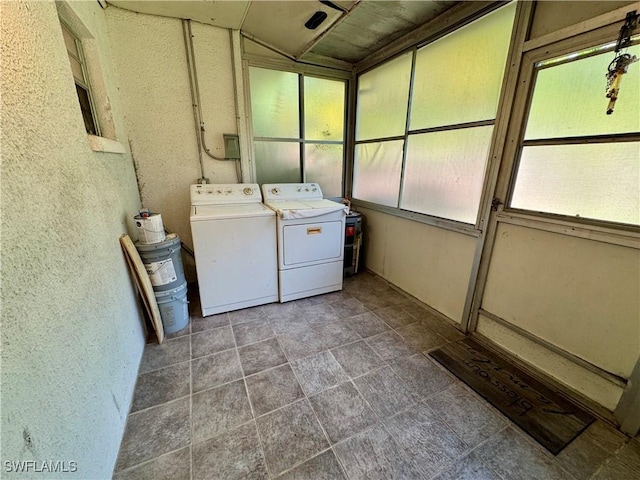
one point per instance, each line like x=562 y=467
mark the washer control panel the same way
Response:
x=225 y=193
x=291 y=191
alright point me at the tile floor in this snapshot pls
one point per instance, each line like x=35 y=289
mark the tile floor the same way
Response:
x=333 y=387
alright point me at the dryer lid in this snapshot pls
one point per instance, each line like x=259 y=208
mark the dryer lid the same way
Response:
x=293 y=209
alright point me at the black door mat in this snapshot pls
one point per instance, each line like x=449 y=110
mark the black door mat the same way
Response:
x=551 y=419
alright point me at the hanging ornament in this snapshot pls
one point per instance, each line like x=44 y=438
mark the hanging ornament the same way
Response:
x=621 y=62
x=616 y=69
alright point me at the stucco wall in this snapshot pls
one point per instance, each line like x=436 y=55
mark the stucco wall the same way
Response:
x=151 y=64
x=72 y=337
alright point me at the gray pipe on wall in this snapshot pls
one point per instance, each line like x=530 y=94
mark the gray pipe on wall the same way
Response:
x=195 y=98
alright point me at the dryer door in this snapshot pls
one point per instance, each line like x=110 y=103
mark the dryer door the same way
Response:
x=312 y=242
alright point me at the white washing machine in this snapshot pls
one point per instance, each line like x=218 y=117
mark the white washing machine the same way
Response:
x=310 y=239
x=234 y=241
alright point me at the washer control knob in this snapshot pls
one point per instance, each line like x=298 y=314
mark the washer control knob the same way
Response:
x=314 y=189
x=275 y=191
x=248 y=191
x=218 y=191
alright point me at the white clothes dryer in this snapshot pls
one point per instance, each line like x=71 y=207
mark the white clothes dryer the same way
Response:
x=234 y=241
x=310 y=239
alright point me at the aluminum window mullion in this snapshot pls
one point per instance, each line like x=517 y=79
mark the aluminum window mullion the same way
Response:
x=276 y=139
x=585 y=53
x=303 y=172
x=530 y=72
x=457 y=126
x=378 y=140
x=322 y=142
x=406 y=127
x=586 y=139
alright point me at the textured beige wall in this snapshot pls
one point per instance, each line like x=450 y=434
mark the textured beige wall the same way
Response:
x=581 y=380
x=430 y=263
x=151 y=64
x=71 y=333
x=554 y=15
x=580 y=295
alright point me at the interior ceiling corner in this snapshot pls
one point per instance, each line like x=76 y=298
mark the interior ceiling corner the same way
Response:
x=352 y=29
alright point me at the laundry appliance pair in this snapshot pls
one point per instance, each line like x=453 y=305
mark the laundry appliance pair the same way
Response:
x=250 y=253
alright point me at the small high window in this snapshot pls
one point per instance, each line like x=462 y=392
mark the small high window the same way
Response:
x=83 y=89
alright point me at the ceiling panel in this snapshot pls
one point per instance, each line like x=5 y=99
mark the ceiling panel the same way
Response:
x=374 y=24
x=281 y=23
x=220 y=14
x=367 y=26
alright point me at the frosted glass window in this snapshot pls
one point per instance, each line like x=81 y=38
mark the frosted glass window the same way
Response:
x=277 y=162
x=383 y=94
x=323 y=165
x=376 y=172
x=274 y=103
x=458 y=78
x=569 y=100
x=444 y=173
x=323 y=109
x=598 y=181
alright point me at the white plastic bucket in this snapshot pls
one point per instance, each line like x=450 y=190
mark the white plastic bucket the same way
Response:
x=150 y=229
x=163 y=262
x=174 y=308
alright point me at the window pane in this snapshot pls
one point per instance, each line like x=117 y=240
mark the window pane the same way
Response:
x=458 y=77
x=323 y=109
x=274 y=103
x=323 y=165
x=569 y=100
x=278 y=162
x=376 y=172
x=598 y=181
x=76 y=69
x=70 y=42
x=444 y=173
x=382 y=99
x=85 y=107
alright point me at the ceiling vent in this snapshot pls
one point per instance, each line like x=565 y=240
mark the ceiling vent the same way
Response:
x=315 y=20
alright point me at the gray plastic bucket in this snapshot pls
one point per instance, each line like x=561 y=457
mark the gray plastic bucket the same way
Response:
x=174 y=308
x=163 y=263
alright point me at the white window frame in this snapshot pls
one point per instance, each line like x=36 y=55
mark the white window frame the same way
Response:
x=83 y=83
